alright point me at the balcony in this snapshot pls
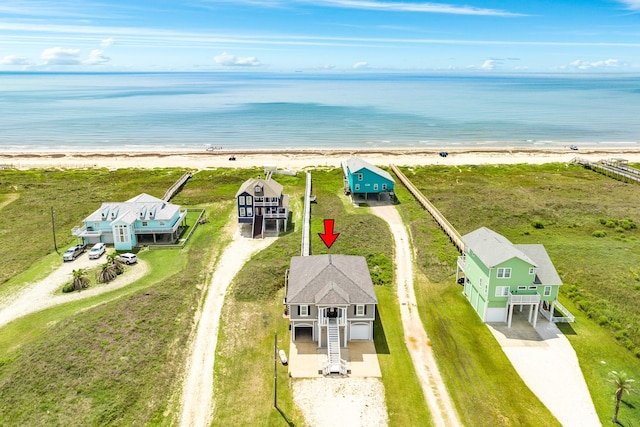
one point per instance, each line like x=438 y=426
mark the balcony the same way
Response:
x=462 y=260
x=82 y=231
x=523 y=297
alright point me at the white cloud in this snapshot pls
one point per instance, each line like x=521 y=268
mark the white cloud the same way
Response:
x=414 y=7
x=631 y=4
x=107 y=42
x=15 y=60
x=359 y=65
x=586 y=65
x=488 y=65
x=228 y=60
x=96 y=57
x=60 y=56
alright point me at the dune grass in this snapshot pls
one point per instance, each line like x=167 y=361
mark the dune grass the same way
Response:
x=571 y=203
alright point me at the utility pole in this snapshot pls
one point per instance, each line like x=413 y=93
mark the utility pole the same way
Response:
x=275 y=370
x=53 y=228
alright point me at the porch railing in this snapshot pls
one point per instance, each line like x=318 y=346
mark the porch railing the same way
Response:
x=566 y=317
x=524 y=298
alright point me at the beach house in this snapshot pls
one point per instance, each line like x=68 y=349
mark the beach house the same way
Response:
x=362 y=179
x=143 y=219
x=330 y=300
x=261 y=203
x=499 y=276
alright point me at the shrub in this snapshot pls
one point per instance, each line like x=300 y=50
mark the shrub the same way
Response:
x=627 y=224
x=610 y=223
x=602 y=221
x=536 y=223
x=599 y=233
x=603 y=320
x=68 y=288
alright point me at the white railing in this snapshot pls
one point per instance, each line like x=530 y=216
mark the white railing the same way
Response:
x=524 y=298
x=566 y=318
x=462 y=261
x=324 y=320
x=83 y=232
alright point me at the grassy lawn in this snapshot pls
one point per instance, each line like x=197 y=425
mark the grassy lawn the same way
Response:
x=571 y=203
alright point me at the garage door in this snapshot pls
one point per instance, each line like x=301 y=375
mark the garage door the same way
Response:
x=360 y=331
x=495 y=315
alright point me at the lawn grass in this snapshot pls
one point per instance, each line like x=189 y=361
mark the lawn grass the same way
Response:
x=599 y=274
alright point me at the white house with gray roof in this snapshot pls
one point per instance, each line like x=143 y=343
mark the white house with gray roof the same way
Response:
x=330 y=300
x=260 y=202
x=499 y=276
x=142 y=219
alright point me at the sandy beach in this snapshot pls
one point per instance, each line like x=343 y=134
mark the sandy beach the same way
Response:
x=300 y=159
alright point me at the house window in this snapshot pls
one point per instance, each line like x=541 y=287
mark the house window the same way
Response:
x=547 y=291
x=249 y=200
x=384 y=187
x=303 y=310
x=532 y=271
x=145 y=223
x=533 y=288
x=249 y=211
x=241 y=200
x=357 y=186
x=242 y=212
x=502 y=291
x=375 y=186
x=161 y=222
x=122 y=234
x=359 y=177
x=504 y=273
x=522 y=288
x=361 y=310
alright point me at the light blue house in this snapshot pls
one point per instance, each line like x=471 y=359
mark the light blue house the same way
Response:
x=142 y=220
x=499 y=276
x=364 y=178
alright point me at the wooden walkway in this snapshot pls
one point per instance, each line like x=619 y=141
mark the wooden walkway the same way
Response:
x=614 y=168
x=448 y=229
x=176 y=187
x=306 y=227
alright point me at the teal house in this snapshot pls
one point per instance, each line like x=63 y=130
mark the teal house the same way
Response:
x=362 y=178
x=142 y=220
x=499 y=277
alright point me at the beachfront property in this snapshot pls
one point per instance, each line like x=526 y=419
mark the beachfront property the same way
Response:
x=362 y=178
x=330 y=300
x=260 y=202
x=143 y=219
x=499 y=276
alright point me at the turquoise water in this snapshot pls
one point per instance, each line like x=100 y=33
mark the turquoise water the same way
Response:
x=108 y=111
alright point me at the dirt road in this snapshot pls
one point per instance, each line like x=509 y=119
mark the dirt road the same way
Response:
x=197 y=401
x=436 y=395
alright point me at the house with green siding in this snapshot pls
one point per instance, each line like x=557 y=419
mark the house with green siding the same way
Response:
x=362 y=178
x=499 y=276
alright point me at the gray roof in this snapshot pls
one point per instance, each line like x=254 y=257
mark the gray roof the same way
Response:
x=546 y=273
x=270 y=188
x=354 y=164
x=330 y=279
x=142 y=207
x=492 y=248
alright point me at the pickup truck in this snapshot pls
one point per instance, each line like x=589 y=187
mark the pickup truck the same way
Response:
x=73 y=252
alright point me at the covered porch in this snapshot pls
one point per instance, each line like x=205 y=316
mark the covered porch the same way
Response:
x=522 y=299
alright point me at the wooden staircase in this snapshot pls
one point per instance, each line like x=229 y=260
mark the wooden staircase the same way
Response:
x=258 y=227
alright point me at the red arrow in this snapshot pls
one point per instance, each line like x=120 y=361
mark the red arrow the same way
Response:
x=328 y=237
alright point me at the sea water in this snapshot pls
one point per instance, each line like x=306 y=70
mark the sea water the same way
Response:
x=190 y=111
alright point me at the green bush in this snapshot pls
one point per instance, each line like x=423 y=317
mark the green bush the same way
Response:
x=536 y=223
x=599 y=233
x=603 y=320
x=68 y=288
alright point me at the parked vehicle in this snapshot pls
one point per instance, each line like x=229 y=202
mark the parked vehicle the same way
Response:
x=97 y=250
x=128 y=258
x=443 y=154
x=574 y=147
x=73 y=252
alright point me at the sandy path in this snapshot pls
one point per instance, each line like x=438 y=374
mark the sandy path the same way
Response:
x=562 y=388
x=40 y=295
x=197 y=401
x=436 y=395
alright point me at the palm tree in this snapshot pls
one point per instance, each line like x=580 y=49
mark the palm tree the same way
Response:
x=80 y=279
x=623 y=384
x=106 y=273
x=116 y=262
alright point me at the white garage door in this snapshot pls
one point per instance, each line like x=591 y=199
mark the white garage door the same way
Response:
x=495 y=315
x=360 y=331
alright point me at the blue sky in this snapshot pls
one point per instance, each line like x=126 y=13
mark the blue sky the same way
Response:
x=341 y=35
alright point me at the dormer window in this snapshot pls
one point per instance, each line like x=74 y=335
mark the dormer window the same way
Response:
x=257 y=189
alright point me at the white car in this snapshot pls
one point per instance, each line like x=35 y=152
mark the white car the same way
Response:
x=128 y=258
x=97 y=250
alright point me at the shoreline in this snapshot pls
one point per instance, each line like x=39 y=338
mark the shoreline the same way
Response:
x=306 y=157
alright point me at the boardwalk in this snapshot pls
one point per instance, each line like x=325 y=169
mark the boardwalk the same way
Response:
x=176 y=187
x=306 y=227
x=449 y=230
x=614 y=168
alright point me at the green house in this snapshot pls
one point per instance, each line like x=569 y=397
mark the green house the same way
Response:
x=362 y=178
x=499 y=276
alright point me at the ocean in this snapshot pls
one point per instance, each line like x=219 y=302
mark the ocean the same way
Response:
x=190 y=111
